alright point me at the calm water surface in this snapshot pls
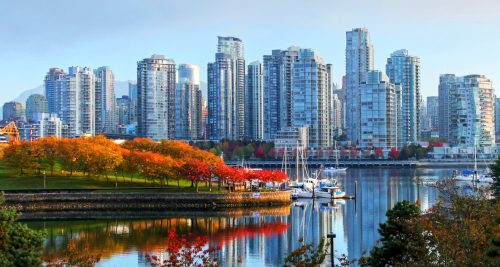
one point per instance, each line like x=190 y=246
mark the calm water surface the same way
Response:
x=256 y=237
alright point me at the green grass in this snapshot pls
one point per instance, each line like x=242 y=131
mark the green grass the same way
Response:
x=11 y=179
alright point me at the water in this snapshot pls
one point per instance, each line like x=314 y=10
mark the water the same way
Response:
x=260 y=237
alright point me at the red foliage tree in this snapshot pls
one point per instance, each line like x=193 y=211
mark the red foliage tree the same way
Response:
x=259 y=152
x=379 y=152
x=185 y=251
x=394 y=153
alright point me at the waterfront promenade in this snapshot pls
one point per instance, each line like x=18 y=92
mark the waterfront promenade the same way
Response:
x=360 y=163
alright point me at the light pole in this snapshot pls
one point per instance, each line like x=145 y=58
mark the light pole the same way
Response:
x=331 y=236
x=44 y=180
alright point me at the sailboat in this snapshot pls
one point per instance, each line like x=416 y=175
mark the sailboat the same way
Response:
x=474 y=176
x=335 y=169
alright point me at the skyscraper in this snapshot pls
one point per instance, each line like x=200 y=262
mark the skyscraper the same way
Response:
x=497 y=118
x=132 y=93
x=105 y=113
x=226 y=91
x=188 y=103
x=404 y=69
x=311 y=98
x=433 y=113
x=470 y=108
x=123 y=110
x=13 y=111
x=379 y=112
x=278 y=72
x=36 y=104
x=359 y=60
x=156 y=80
x=255 y=101
x=77 y=109
x=51 y=92
x=446 y=87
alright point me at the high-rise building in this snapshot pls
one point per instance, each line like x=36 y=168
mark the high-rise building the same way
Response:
x=497 y=117
x=432 y=113
x=311 y=98
x=447 y=84
x=132 y=93
x=226 y=91
x=51 y=90
x=156 y=81
x=123 y=110
x=77 y=105
x=471 y=101
x=255 y=101
x=278 y=74
x=359 y=60
x=379 y=111
x=43 y=125
x=36 y=104
x=336 y=115
x=13 y=111
x=105 y=113
x=188 y=103
x=404 y=69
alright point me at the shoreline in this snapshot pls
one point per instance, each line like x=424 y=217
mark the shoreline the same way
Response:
x=371 y=163
x=154 y=201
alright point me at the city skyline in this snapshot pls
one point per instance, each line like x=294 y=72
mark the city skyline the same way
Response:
x=194 y=36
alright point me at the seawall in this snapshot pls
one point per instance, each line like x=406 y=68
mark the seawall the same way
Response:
x=98 y=201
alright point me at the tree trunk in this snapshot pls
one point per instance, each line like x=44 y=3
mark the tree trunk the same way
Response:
x=196 y=186
x=178 y=183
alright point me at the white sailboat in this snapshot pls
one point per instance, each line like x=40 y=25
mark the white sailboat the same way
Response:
x=474 y=176
x=335 y=169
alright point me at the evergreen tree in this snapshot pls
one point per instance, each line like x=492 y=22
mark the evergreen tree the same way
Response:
x=19 y=245
x=403 y=240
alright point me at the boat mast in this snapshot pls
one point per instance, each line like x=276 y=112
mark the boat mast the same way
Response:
x=297 y=162
x=336 y=156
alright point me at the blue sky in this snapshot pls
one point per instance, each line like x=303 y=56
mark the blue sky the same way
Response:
x=450 y=36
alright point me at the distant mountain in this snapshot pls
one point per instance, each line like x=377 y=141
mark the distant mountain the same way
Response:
x=25 y=94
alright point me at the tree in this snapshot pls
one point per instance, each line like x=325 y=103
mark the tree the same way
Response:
x=308 y=255
x=379 y=152
x=75 y=256
x=186 y=251
x=394 y=153
x=403 y=240
x=495 y=170
x=19 y=245
x=259 y=153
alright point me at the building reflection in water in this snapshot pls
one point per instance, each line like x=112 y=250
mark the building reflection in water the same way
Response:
x=261 y=237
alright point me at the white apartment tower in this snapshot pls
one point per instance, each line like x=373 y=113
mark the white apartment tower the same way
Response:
x=359 y=60
x=156 y=82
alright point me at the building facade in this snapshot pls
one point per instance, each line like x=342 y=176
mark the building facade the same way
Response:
x=379 y=112
x=105 y=105
x=470 y=110
x=278 y=75
x=77 y=102
x=13 y=111
x=188 y=103
x=312 y=98
x=404 y=69
x=359 y=60
x=255 y=101
x=432 y=113
x=226 y=91
x=52 y=93
x=447 y=84
x=497 y=117
x=132 y=93
x=36 y=104
x=156 y=82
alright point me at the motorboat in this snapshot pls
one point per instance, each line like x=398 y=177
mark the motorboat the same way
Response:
x=329 y=192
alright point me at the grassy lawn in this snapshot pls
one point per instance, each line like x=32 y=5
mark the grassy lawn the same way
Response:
x=11 y=179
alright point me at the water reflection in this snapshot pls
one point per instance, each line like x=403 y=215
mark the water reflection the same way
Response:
x=258 y=238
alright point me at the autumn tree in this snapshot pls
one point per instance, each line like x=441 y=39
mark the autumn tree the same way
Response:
x=394 y=153
x=186 y=251
x=379 y=152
